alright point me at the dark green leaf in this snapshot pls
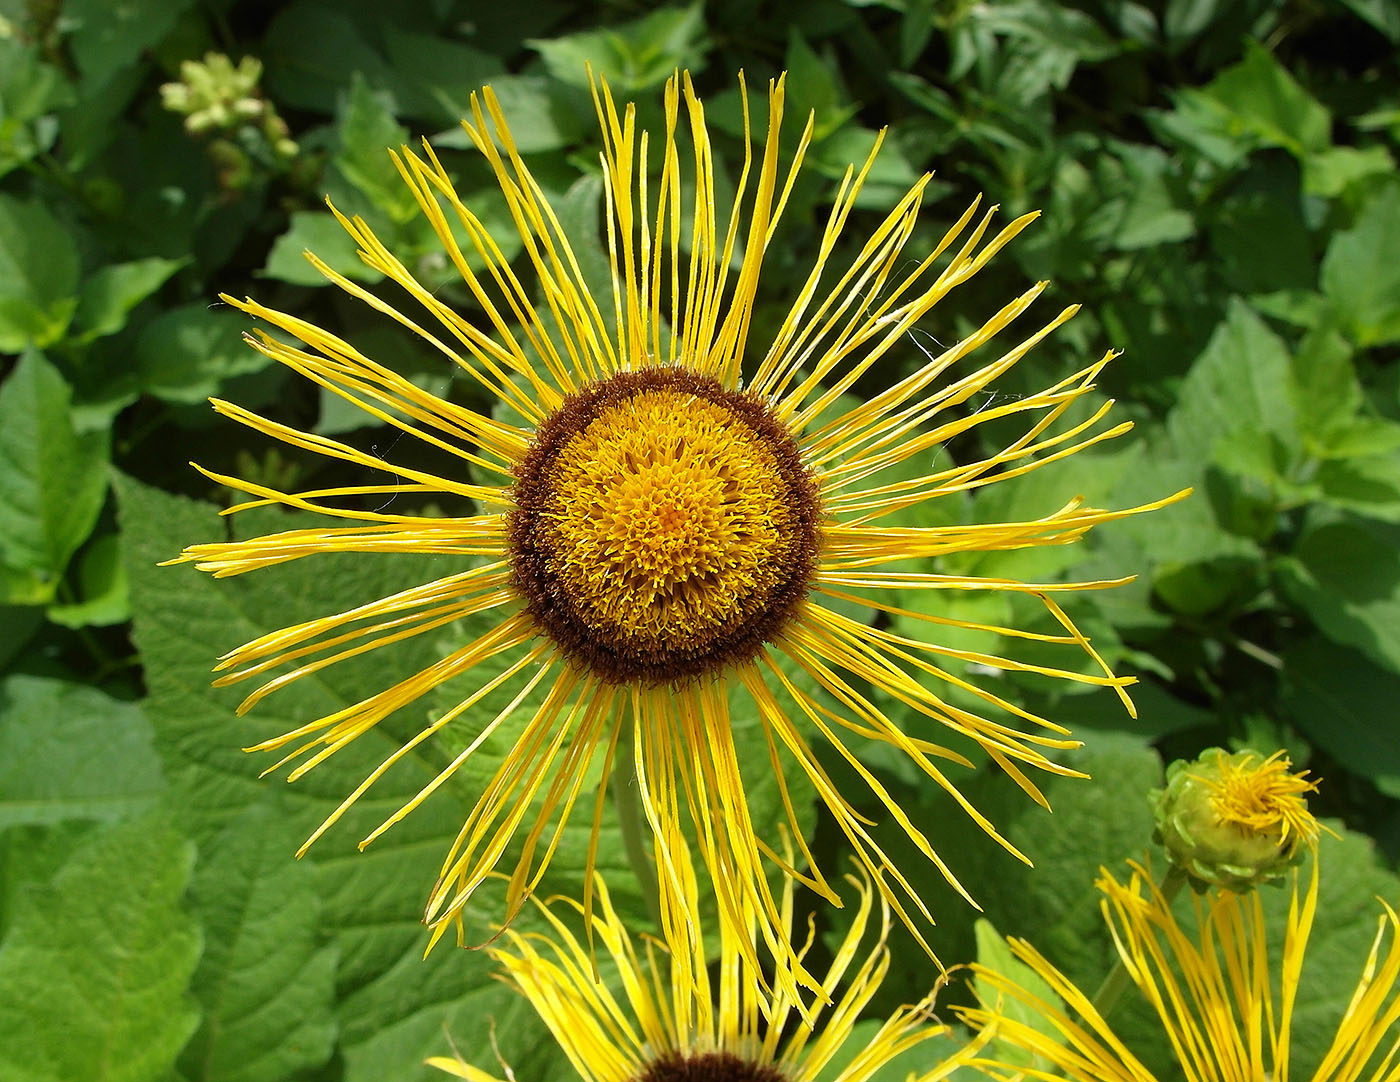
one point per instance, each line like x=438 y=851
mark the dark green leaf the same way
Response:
x=108 y=38
x=1240 y=383
x=101 y=597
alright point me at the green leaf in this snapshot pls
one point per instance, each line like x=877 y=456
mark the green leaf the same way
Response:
x=1151 y=212
x=1095 y=822
x=185 y=354
x=367 y=131
x=1345 y=574
x=311 y=46
x=102 y=598
x=1359 y=277
x=434 y=78
x=97 y=955
x=316 y=231
x=38 y=276
x=108 y=297
x=107 y=38
x=31 y=90
x=266 y=982
x=1258 y=233
x=1331 y=171
x=1368 y=485
x=1348 y=716
x=1242 y=382
x=1258 y=102
x=52 y=480
x=50 y=767
x=995 y=953
x=632 y=56
x=392 y=1003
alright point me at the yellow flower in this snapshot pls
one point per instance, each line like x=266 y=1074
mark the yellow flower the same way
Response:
x=659 y=530
x=1235 y=820
x=1225 y=996
x=670 y=1025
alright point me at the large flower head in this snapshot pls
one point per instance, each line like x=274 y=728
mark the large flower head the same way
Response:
x=683 y=514
x=669 y=1023
x=1224 y=994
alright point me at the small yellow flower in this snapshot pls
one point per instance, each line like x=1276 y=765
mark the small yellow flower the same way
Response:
x=1225 y=996
x=681 y=512
x=1235 y=820
x=670 y=1024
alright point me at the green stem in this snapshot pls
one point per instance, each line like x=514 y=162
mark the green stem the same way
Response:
x=626 y=790
x=1117 y=981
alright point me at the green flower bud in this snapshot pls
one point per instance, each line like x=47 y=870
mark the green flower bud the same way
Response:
x=1234 y=821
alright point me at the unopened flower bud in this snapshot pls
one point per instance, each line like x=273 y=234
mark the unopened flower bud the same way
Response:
x=1234 y=821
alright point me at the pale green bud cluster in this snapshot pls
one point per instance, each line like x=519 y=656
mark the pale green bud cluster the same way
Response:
x=215 y=96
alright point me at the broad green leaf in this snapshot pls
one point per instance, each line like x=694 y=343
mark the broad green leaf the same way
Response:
x=1258 y=101
x=1094 y=822
x=106 y=39
x=434 y=78
x=1258 y=232
x=97 y=954
x=38 y=275
x=1345 y=704
x=318 y=232
x=71 y=752
x=995 y=953
x=1240 y=383
x=1329 y=172
x=107 y=298
x=814 y=84
x=632 y=56
x=1152 y=213
x=266 y=981
x=1368 y=485
x=185 y=353
x=1327 y=393
x=1359 y=278
x=310 y=47
x=1345 y=574
x=52 y=479
x=367 y=132
x=371 y=901
x=101 y=597
x=31 y=89
x=542 y=113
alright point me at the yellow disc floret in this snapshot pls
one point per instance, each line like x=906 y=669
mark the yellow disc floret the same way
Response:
x=663 y=522
x=667 y=514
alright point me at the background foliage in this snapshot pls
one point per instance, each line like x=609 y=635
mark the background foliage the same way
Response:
x=1219 y=187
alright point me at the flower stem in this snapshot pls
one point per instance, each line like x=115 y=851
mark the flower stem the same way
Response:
x=1117 y=981
x=626 y=791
